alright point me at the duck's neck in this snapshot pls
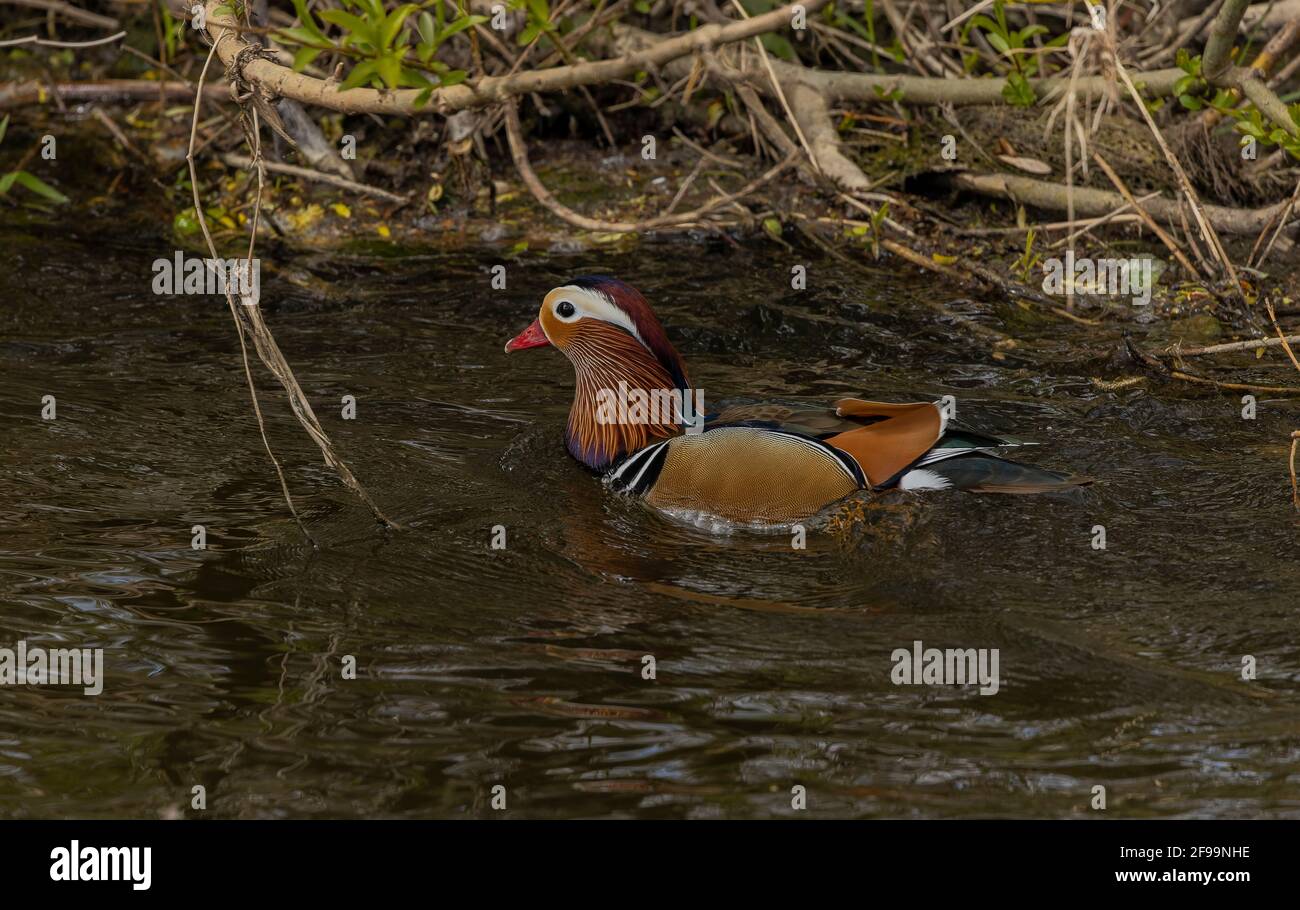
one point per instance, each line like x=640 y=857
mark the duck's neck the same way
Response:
x=623 y=399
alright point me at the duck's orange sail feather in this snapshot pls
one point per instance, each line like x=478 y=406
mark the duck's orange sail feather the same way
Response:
x=901 y=434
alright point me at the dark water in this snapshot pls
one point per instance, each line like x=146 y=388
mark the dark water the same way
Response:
x=522 y=666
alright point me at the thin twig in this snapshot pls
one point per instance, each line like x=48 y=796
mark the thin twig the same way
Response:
x=242 y=161
x=1150 y=222
x=230 y=298
x=519 y=154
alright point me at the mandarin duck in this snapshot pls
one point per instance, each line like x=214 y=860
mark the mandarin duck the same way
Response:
x=636 y=421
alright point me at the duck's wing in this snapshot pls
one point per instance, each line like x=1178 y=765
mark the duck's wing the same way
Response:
x=815 y=421
x=891 y=437
x=977 y=472
x=881 y=438
x=887 y=441
x=740 y=473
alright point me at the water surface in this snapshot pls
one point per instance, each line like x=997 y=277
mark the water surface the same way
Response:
x=522 y=666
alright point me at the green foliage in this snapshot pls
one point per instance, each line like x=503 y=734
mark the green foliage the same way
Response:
x=539 y=21
x=866 y=29
x=778 y=46
x=1028 y=260
x=28 y=181
x=1188 y=88
x=1249 y=121
x=171 y=34
x=1018 y=91
x=1009 y=42
x=391 y=48
x=1254 y=125
x=873 y=230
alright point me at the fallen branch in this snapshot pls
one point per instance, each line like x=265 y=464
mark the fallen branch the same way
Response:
x=243 y=161
x=284 y=82
x=67 y=11
x=880 y=88
x=1158 y=366
x=1234 y=346
x=1092 y=202
x=24 y=93
x=45 y=42
x=813 y=118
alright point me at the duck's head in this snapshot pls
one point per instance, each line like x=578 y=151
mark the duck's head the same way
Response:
x=618 y=350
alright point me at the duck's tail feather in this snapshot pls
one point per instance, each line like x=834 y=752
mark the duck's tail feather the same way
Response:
x=979 y=473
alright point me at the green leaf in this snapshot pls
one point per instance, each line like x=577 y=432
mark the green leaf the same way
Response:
x=303 y=57
x=7 y=180
x=301 y=36
x=776 y=44
x=424 y=24
x=999 y=43
x=1191 y=102
x=461 y=24
x=360 y=30
x=185 y=222
x=308 y=22
x=393 y=24
x=360 y=75
x=453 y=77
x=389 y=68
x=39 y=187
x=4 y=126
x=527 y=35
x=1018 y=91
x=539 y=11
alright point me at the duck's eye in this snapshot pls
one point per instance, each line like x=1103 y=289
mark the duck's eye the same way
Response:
x=564 y=309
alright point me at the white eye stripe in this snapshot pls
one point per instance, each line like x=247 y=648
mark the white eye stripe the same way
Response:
x=593 y=303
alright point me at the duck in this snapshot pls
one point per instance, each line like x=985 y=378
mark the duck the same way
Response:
x=636 y=421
